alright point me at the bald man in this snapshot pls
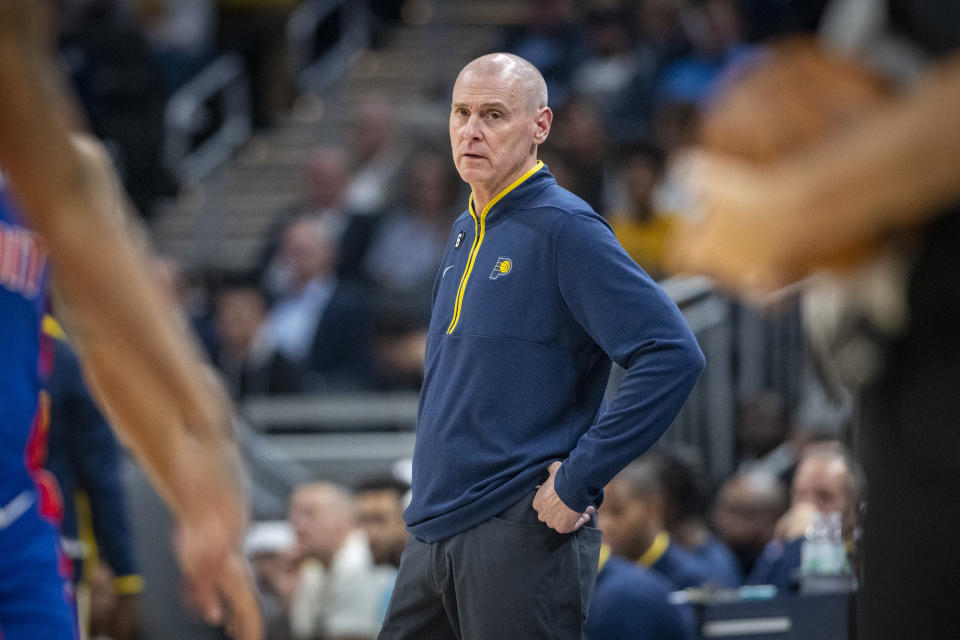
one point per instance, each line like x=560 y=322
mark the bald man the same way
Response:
x=533 y=300
x=827 y=481
x=340 y=594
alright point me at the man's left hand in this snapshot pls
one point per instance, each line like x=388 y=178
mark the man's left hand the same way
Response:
x=551 y=509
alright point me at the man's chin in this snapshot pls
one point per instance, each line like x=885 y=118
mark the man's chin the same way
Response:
x=472 y=175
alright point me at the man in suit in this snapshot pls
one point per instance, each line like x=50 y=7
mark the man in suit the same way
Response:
x=319 y=322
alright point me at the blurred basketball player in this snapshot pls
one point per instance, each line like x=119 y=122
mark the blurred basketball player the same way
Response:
x=60 y=199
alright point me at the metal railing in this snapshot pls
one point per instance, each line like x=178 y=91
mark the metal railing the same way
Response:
x=208 y=119
x=271 y=481
x=707 y=421
x=335 y=412
x=313 y=73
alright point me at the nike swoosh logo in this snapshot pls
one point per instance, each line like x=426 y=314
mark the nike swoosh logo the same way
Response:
x=447 y=269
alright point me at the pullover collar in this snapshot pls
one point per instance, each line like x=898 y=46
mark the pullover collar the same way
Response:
x=519 y=191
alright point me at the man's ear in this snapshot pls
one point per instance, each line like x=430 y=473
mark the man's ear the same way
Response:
x=544 y=121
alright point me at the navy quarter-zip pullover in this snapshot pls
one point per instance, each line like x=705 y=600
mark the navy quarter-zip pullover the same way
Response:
x=533 y=300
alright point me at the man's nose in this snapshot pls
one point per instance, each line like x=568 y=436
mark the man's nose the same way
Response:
x=472 y=128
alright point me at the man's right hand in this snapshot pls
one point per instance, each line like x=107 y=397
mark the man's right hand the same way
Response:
x=552 y=511
x=219 y=581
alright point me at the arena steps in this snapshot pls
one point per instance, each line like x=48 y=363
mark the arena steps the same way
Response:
x=222 y=222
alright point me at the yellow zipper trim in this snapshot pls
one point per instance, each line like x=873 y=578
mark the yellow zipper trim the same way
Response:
x=478 y=239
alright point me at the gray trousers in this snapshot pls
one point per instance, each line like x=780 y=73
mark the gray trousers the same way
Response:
x=510 y=577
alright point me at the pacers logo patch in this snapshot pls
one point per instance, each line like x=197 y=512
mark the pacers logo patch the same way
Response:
x=502 y=268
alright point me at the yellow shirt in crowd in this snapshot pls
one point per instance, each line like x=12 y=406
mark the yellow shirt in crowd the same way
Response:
x=644 y=241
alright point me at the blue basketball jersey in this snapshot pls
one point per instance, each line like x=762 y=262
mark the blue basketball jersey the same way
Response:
x=36 y=601
x=25 y=354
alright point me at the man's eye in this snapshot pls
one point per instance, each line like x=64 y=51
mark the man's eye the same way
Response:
x=495 y=115
x=462 y=113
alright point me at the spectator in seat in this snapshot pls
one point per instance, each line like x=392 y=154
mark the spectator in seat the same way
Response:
x=661 y=40
x=633 y=519
x=827 y=481
x=248 y=366
x=610 y=63
x=181 y=36
x=763 y=425
x=375 y=155
x=685 y=516
x=553 y=42
x=630 y=602
x=325 y=184
x=319 y=322
x=582 y=144
x=638 y=225
x=270 y=547
x=714 y=29
x=404 y=254
x=379 y=503
x=745 y=514
x=340 y=593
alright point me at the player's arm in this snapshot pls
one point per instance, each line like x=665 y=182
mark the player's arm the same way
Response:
x=159 y=394
x=147 y=374
x=894 y=169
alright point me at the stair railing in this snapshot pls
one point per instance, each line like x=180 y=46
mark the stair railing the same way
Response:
x=314 y=73
x=207 y=119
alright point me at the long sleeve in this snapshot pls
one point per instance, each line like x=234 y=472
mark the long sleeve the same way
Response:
x=637 y=325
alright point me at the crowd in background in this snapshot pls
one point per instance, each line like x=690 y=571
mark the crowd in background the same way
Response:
x=328 y=570
x=340 y=297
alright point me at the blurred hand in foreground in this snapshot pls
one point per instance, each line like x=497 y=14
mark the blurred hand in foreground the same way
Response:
x=745 y=226
x=218 y=580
